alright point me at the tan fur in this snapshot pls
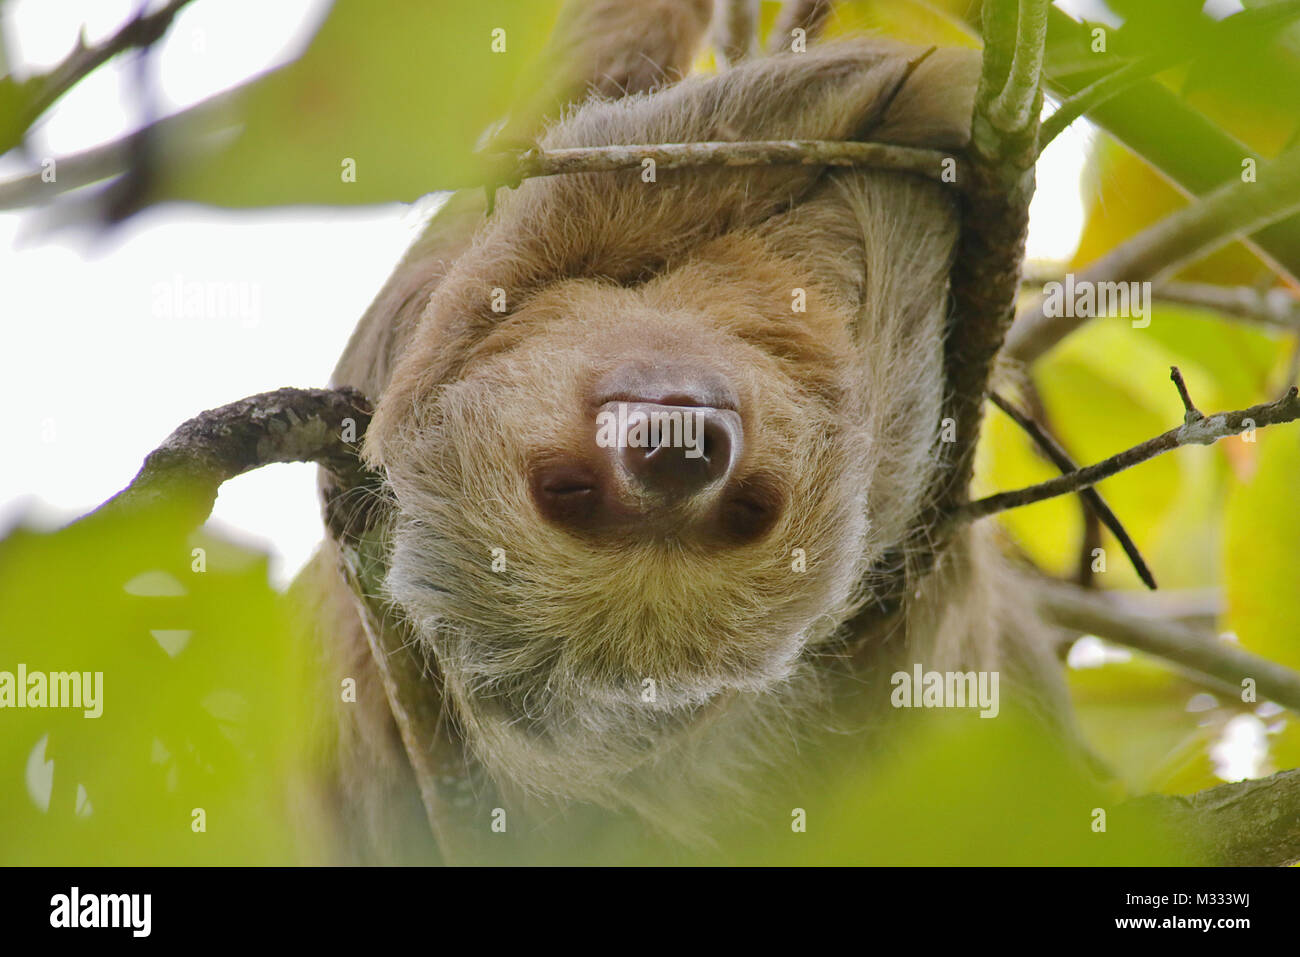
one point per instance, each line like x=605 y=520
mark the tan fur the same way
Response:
x=545 y=662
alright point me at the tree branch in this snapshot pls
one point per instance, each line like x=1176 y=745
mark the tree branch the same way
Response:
x=1275 y=308
x=513 y=168
x=996 y=187
x=1096 y=613
x=995 y=217
x=1253 y=823
x=143 y=31
x=288 y=425
x=1196 y=429
x=1235 y=208
x=1061 y=459
x=178 y=136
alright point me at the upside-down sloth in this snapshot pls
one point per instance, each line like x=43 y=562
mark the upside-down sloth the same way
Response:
x=640 y=629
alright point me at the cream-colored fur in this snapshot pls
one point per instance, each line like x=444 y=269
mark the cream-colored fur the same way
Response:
x=547 y=662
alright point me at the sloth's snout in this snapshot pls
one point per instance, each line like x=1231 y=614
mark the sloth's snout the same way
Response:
x=662 y=457
x=672 y=452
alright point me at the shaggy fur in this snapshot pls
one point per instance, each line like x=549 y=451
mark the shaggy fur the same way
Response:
x=546 y=661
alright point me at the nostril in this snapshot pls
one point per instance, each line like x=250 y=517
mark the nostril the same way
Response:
x=749 y=512
x=565 y=486
x=566 y=493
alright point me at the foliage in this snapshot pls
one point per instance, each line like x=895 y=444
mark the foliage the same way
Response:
x=207 y=701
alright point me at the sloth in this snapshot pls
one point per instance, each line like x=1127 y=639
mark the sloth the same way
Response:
x=647 y=627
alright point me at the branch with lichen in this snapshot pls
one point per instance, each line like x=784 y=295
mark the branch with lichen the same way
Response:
x=289 y=425
x=934 y=164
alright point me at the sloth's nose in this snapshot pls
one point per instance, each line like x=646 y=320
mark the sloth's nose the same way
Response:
x=671 y=452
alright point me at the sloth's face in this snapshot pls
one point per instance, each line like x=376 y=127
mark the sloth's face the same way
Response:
x=629 y=501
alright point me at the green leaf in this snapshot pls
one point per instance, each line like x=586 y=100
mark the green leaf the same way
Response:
x=1263 y=528
x=201 y=699
x=399 y=92
x=967 y=791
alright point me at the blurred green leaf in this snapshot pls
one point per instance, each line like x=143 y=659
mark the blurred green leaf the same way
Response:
x=968 y=791
x=1259 y=569
x=203 y=698
x=16 y=100
x=400 y=91
x=1118 y=697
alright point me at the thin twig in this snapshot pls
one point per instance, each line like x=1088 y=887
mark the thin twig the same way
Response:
x=141 y=31
x=1189 y=407
x=1061 y=459
x=595 y=159
x=1274 y=308
x=179 y=137
x=1204 y=430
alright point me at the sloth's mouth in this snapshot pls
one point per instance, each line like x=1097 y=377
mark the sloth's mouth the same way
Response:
x=749 y=512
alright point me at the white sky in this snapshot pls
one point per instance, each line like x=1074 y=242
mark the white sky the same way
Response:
x=96 y=369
